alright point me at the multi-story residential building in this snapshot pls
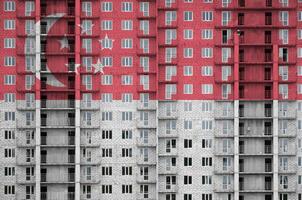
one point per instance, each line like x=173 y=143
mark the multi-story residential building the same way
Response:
x=151 y=99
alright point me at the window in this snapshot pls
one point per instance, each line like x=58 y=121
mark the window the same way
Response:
x=206 y=52
x=187 y=180
x=9 y=153
x=283 y=17
x=9 y=97
x=144 y=8
x=187 y=106
x=87 y=45
x=299 y=16
x=106 y=25
x=170 y=16
x=9 y=189
x=87 y=8
x=107 y=61
x=127 y=61
x=206 y=125
x=188 y=89
x=126 y=189
x=127 y=80
x=29 y=27
x=226 y=18
x=126 y=134
x=188 y=124
x=9 y=80
x=170 y=35
x=207 y=34
x=106 y=116
x=187 y=161
x=107 y=43
x=9 y=24
x=106 y=171
x=207 y=16
x=206 y=89
x=126 y=116
x=207 y=71
x=126 y=152
x=206 y=180
x=283 y=36
x=29 y=7
x=299 y=53
x=127 y=97
x=9 y=135
x=225 y=54
x=107 y=80
x=206 y=106
x=9 y=61
x=106 y=134
x=144 y=26
x=299 y=70
x=188 y=143
x=126 y=171
x=106 y=97
x=206 y=161
x=87 y=27
x=207 y=196
x=126 y=43
x=188 y=34
x=106 y=189
x=188 y=52
x=188 y=70
x=9 y=6
x=9 y=171
x=126 y=7
x=188 y=16
x=127 y=25
x=299 y=34
x=106 y=153
x=106 y=6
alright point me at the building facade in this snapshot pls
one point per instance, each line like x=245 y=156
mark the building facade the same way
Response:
x=151 y=99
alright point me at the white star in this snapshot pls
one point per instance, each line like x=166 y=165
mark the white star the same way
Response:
x=76 y=66
x=106 y=43
x=64 y=43
x=84 y=29
x=99 y=67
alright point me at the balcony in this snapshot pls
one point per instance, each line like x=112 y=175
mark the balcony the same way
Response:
x=57 y=104
x=62 y=178
x=150 y=105
x=57 y=195
x=166 y=5
x=51 y=141
x=53 y=160
x=58 y=123
x=146 y=142
x=169 y=133
x=167 y=188
x=267 y=149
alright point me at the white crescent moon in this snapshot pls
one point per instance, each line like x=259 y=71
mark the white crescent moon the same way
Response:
x=51 y=20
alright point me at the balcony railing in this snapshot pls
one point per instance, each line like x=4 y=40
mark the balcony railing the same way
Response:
x=70 y=122
x=241 y=149
x=57 y=195
x=268 y=149
x=268 y=185
x=268 y=112
x=268 y=167
x=57 y=104
x=71 y=158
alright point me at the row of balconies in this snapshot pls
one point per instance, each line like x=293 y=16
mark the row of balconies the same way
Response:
x=57 y=195
x=63 y=104
x=266 y=150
